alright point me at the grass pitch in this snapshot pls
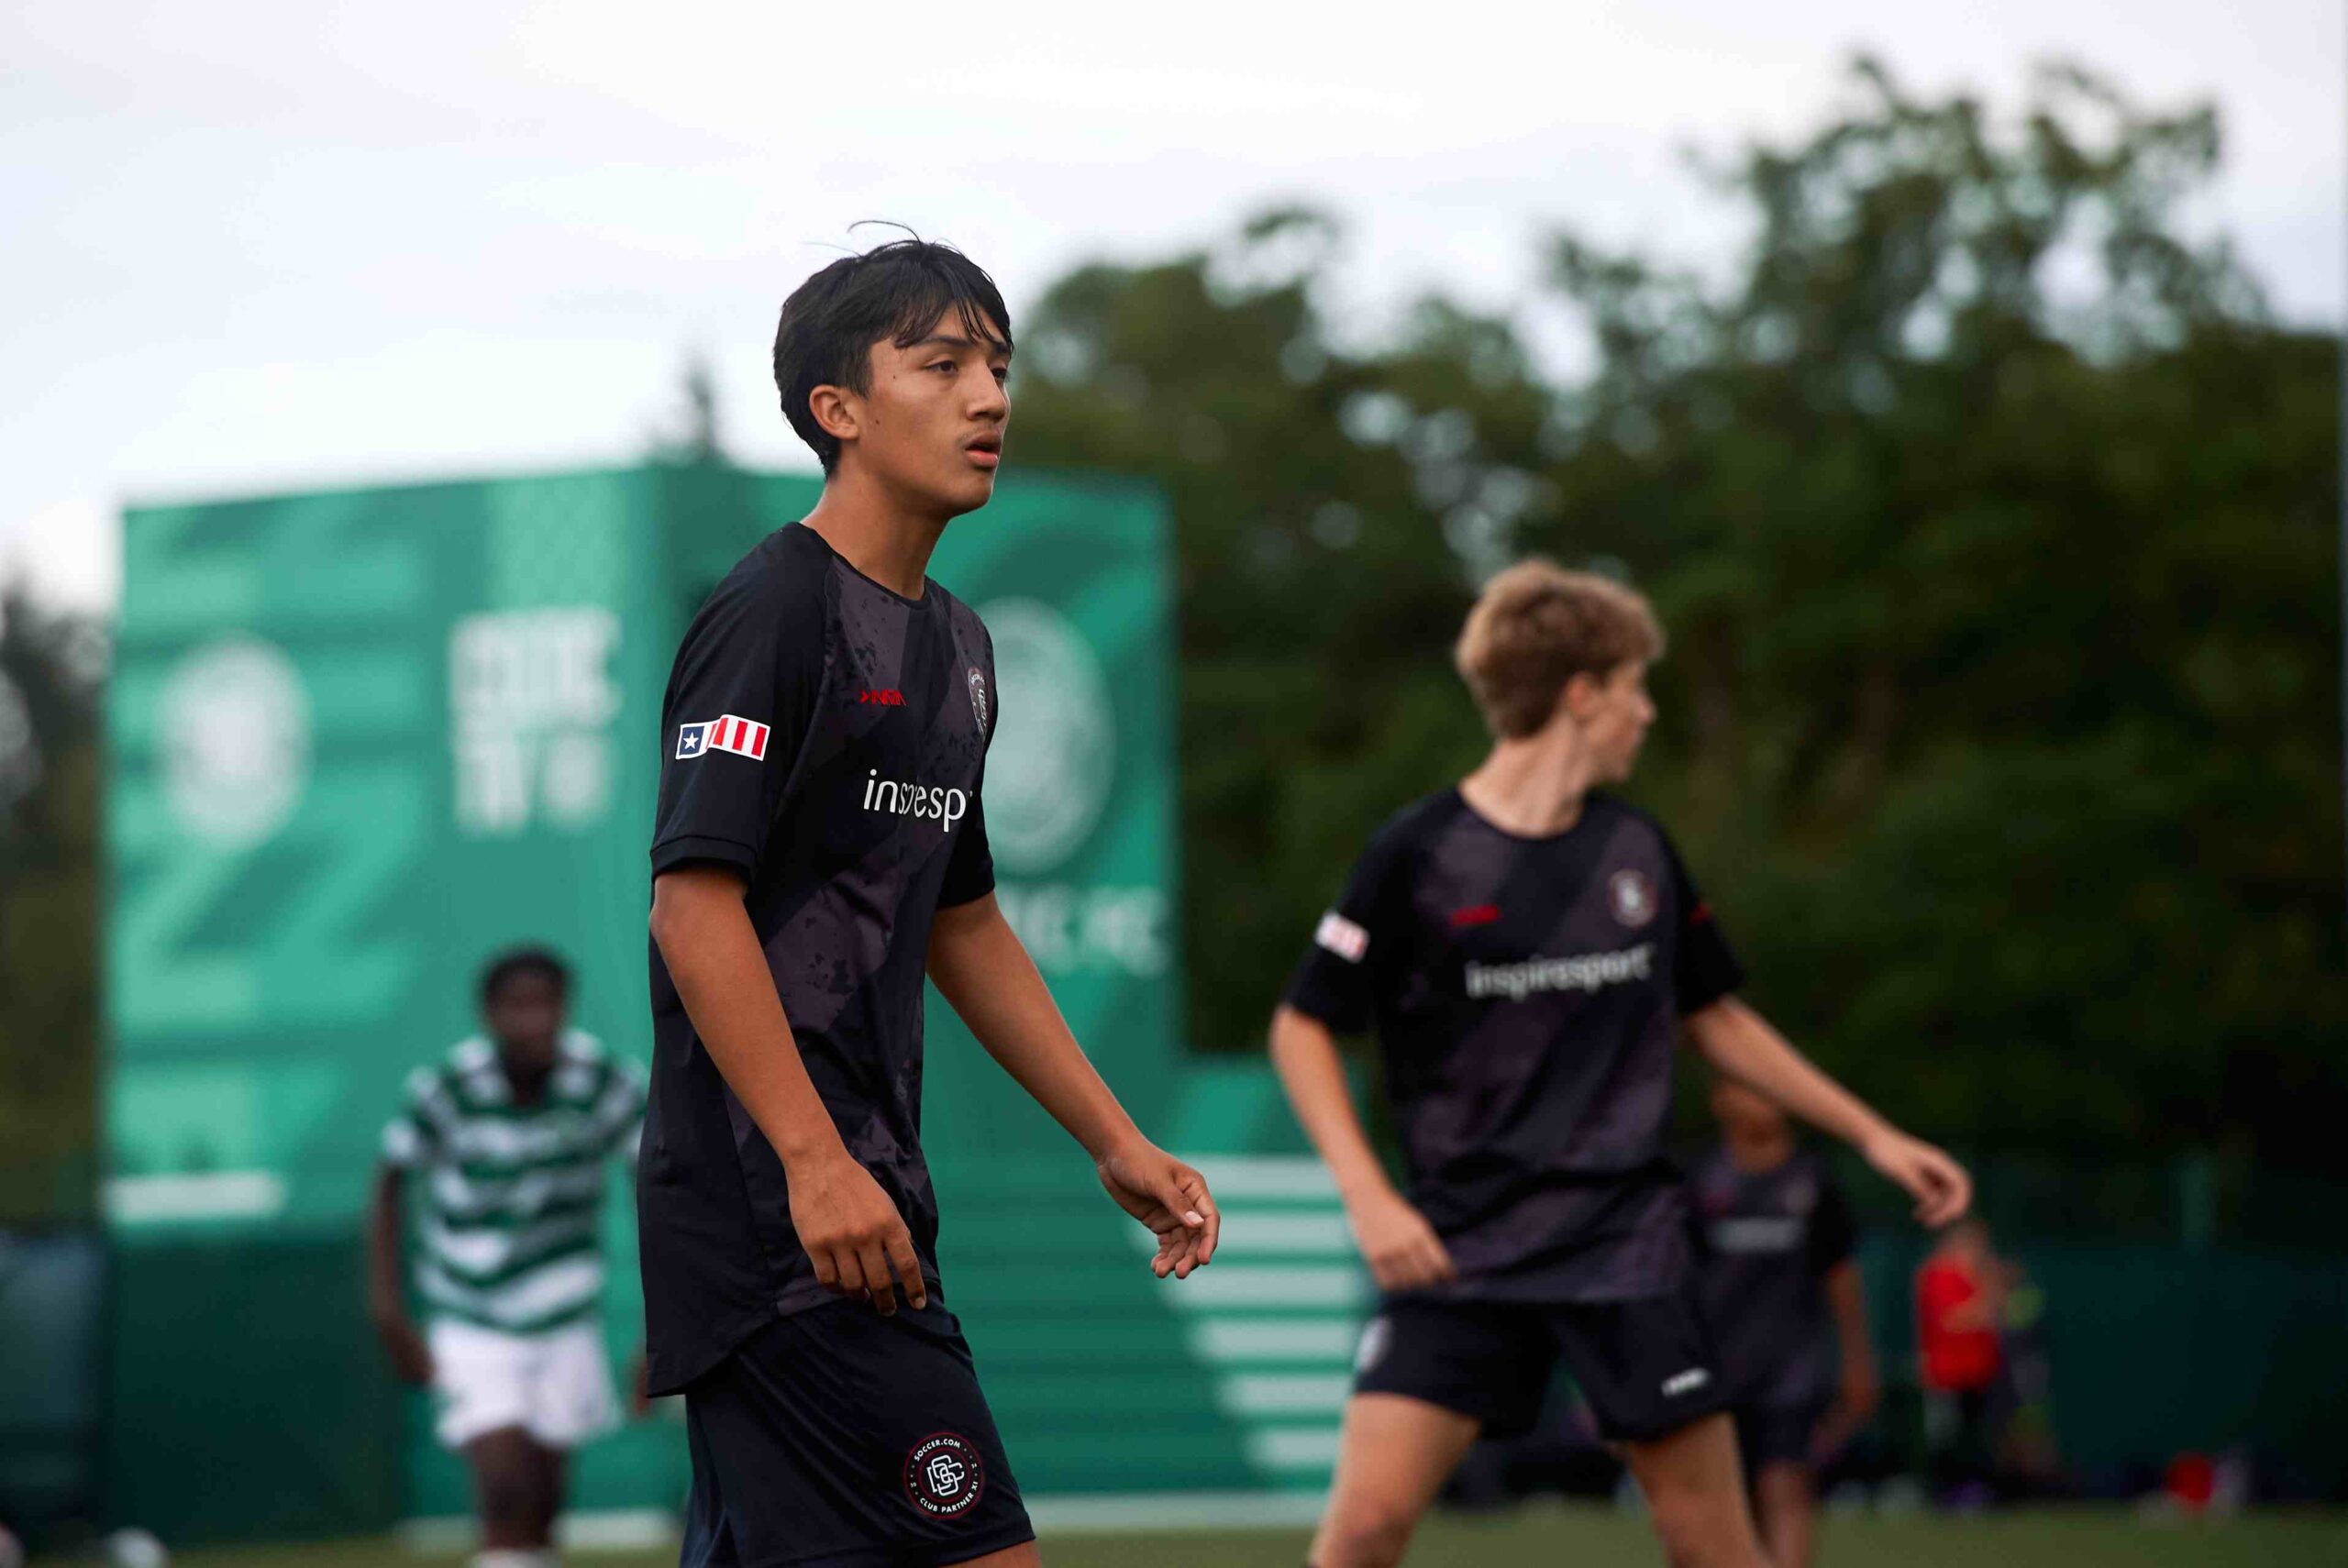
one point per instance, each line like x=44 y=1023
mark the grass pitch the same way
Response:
x=1548 y=1536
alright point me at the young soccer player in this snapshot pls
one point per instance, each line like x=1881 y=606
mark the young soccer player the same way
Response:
x=822 y=844
x=1960 y=1344
x=1774 y=1237
x=1527 y=949
x=510 y=1134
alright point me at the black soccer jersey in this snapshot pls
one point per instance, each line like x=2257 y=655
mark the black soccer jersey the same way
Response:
x=1765 y=1241
x=826 y=737
x=1526 y=995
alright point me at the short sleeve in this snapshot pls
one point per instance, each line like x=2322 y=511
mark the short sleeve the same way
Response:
x=1833 y=1230
x=1333 y=981
x=740 y=699
x=619 y=1112
x=969 y=872
x=1706 y=969
x=413 y=1134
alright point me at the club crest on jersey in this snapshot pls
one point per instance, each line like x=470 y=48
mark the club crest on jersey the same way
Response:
x=944 y=1475
x=740 y=737
x=1632 y=896
x=978 y=696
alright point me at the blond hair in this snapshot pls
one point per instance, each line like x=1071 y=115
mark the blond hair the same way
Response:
x=1538 y=625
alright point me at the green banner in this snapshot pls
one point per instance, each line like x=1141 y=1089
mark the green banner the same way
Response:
x=361 y=740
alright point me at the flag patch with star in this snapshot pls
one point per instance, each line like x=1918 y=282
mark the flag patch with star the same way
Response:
x=741 y=736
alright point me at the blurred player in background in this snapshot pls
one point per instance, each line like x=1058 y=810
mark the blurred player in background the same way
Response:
x=1527 y=950
x=509 y=1135
x=821 y=843
x=1960 y=1309
x=1781 y=1291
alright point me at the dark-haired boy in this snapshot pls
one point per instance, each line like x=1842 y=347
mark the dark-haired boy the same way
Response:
x=815 y=854
x=509 y=1133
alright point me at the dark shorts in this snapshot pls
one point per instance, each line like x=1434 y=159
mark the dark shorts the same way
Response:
x=1646 y=1367
x=837 y=1438
x=1776 y=1434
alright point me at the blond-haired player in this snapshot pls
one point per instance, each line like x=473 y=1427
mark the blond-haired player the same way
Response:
x=1528 y=950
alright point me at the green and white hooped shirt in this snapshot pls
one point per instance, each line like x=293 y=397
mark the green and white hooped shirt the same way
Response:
x=512 y=1194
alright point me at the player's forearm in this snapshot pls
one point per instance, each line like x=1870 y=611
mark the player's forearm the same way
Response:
x=385 y=1300
x=1847 y=1299
x=713 y=954
x=983 y=971
x=1313 y=1074
x=1742 y=1045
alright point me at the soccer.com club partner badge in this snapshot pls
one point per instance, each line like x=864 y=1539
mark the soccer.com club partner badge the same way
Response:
x=944 y=1475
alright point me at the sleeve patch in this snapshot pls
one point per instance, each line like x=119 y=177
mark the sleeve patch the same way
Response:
x=1341 y=937
x=741 y=736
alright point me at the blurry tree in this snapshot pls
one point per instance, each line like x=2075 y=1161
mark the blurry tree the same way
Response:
x=1994 y=521
x=1322 y=497
x=51 y=667
x=1997 y=524
x=696 y=437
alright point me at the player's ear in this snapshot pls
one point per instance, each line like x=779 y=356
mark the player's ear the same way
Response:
x=838 y=412
x=1575 y=696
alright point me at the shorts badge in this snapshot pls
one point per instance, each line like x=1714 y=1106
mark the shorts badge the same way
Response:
x=944 y=1475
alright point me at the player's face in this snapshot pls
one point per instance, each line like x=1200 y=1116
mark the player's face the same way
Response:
x=526 y=1017
x=931 y=428
x=1615 y=720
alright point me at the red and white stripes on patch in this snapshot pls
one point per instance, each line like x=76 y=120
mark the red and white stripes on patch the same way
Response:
x=739 y=736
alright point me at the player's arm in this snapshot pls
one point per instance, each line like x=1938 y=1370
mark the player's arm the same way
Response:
x=1740 y=1044
x=1402 y=1249
x=386 y=1299
x=852 y=1233
x=1856 y=1401
x=983 y=971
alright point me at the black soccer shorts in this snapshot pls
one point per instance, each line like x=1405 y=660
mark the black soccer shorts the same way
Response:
x=837 y=1438
x=1647 y=1366
x=1777 y=1434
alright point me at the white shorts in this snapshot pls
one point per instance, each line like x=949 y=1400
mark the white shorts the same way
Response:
x=557 y=1386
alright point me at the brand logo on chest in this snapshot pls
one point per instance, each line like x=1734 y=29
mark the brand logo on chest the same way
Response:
x=1632 y=896
x=937 y=801
x=889 y=697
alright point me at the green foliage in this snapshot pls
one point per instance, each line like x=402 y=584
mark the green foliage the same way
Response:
x=49 y=763
x=1995 y=524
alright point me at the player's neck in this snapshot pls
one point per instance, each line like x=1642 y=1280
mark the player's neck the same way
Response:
x=1535 y=787
x=526 y=1079
x=875 y=531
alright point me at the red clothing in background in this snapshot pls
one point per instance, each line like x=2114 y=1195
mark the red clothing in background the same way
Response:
x=1957 y=1358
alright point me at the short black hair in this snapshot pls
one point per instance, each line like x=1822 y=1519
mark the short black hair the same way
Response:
x=515 y=961
x=896 y=292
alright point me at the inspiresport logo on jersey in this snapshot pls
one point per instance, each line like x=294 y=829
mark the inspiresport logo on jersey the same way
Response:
x=890 y=798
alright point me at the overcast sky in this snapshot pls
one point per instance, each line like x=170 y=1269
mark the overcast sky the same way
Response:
x=252 y=246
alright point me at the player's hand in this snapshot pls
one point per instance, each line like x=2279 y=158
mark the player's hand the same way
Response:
x=1854 y=1407
x=1402 y=1249
x=639 y=1387
x=1171 y=1199
x=1939 y=1185
x=411 y=1356
x=853 y=1234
